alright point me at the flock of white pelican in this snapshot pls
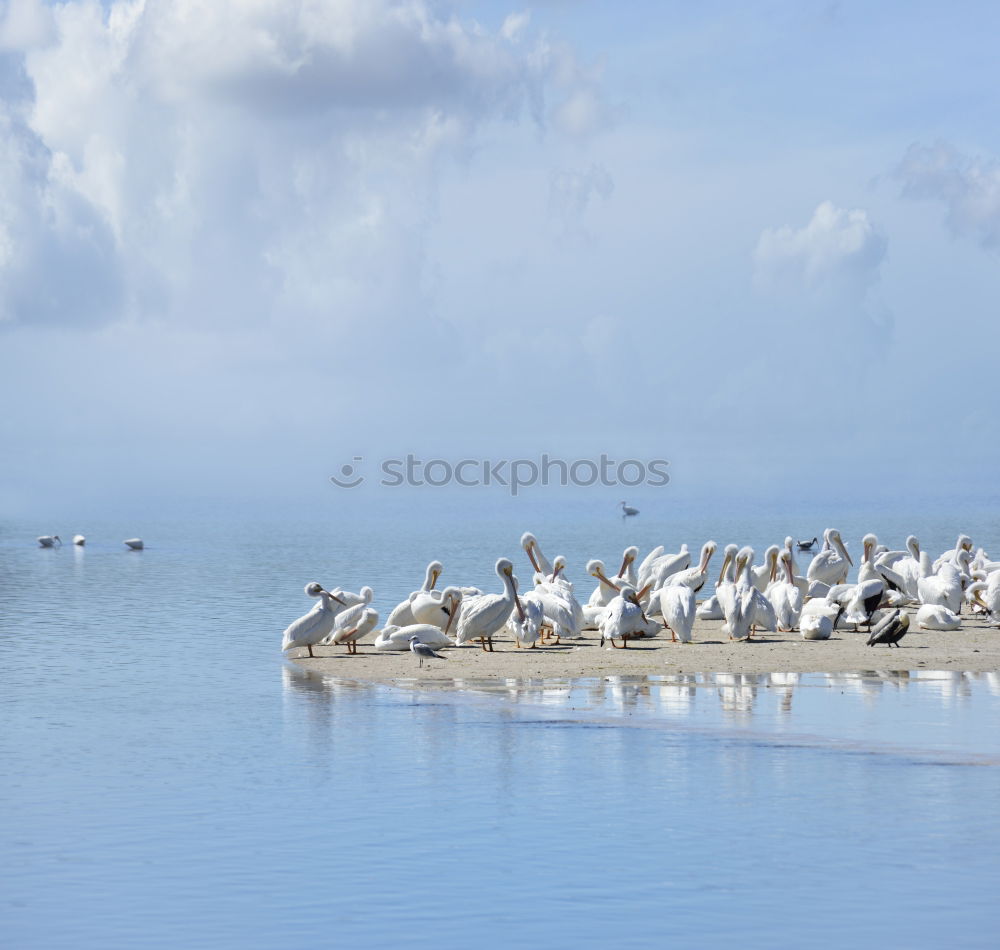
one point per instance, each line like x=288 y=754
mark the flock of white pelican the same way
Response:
x=658 y=594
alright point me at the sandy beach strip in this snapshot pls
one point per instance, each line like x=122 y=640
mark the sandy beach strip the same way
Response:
x=975 y=648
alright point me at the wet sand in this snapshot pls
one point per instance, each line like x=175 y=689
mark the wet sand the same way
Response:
x=974 y=648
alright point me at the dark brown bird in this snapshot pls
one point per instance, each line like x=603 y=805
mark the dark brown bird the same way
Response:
x=890 y=629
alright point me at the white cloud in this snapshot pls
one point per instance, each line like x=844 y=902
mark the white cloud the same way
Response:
x=969 y=187
x=838 y=253
x=244 y=160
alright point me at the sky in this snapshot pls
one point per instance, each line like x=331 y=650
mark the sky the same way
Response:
x=246 y=241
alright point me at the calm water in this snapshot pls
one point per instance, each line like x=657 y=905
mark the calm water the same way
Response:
x=168 y=780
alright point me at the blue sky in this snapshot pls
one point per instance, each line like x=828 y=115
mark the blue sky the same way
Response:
x=242 y=242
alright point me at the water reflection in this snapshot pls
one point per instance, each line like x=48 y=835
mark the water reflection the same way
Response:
x=864 y=709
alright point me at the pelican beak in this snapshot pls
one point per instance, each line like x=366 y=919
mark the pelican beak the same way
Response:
x=451 y=615
x=555 y=571
x=599 y=574
x=434 y=578
x=530 y=551
x=868 y=547
x=726 y=561
x=625 y=563
x=335 y=597
x=642 y=593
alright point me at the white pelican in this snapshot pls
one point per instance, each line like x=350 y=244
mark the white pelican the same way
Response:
x=627 y=573
x=863 y=600
x=49 y=540
x=423 y=652
x=623 y=619
x=603 y=594
x=133 y=544
x=677 y=605
x=315 y=625
x=647 y=562
x=831 y=565
x=484 y=615
x=667 y=565
x=786 y=597
x=349 y=598
x=745 y=607
x=695 y=577
x=351 y=625
x=402 y=614
x=816 y=627
x=964 y=543
x=945 y=587
x=559 y=615
x=539 y=561
x=397 y=639
x=906 y=564
x=767 y=573
x=711 y=609
x=79 y=540
x=526 y=624
x=439 y=607
x=936 y=617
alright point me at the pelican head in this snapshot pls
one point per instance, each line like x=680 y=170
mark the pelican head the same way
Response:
x=596 y=569
x=870 y=542
x=743 y=558
x=313 y=589
x=628 y=557
x=558 y=566
x=434 y=571
x=504 y=568
x=728 y=553
x=836 y=539
x=529 y=542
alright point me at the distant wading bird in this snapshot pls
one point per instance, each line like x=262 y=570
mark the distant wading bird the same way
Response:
x=49 y=540
x=627 y=511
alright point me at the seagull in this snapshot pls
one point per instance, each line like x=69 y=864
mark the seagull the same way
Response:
x=422 y=651
x=627 y=511
x=890 y=629
x=133 y=544
x=49 y=540
x=807 y=545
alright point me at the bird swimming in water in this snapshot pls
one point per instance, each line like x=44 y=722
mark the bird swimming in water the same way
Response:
x=807 y=545
x=890 y=629
x=627 y=510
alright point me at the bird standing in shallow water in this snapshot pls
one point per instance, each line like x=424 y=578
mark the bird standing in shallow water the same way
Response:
x=628 y=511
